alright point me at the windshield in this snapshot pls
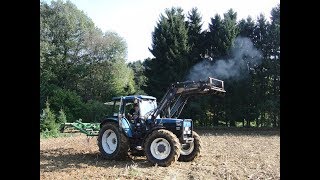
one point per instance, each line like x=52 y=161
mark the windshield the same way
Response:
x=146 y=105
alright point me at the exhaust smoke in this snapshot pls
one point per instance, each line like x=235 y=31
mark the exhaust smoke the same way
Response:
x=244 y=57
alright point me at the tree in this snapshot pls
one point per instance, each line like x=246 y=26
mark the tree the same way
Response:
x=196 y=42
x=248 y=100
x=79 y=62
x=170 y=49
x=261 y=40
x=221 y=34
x=48 y=120
x=139 y=77
x=214 y=42
x=220 y=39
x=230 y=28
x=105 y=80
x=260 y=33
x=275 y=68
x=96 y=111
x=69 y=101
x=246 y=27
x=194 y=36
x=62 y=118
x=62 y=31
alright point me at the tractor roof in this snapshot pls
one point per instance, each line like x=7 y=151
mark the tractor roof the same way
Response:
x=134 y=96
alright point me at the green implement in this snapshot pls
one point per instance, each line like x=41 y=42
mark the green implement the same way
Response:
x=90 y=129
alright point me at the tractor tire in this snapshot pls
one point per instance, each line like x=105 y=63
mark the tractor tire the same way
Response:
x=113 y=144
x=162 y=147
x=192 y=151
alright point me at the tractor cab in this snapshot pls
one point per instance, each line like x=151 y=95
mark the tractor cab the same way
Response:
x=123 y=105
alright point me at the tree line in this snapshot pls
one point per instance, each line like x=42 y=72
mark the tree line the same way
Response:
x=82 y=67
x=179 y=43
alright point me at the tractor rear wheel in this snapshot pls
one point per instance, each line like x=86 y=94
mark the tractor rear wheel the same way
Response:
x=112 y=143
x=191 y=150
x=162 y=147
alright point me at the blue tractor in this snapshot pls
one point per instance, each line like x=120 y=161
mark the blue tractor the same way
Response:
x=155 y=131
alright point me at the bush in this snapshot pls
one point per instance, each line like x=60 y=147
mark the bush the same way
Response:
x=49 y=124
x=47 y=134
x=62 y=118
x=48 y=120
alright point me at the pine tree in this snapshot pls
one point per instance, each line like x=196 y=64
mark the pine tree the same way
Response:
x=62 y=118
x=170 y=49
x=246 y=27
x=48 y=120
x=194 y=35
x=275 y=65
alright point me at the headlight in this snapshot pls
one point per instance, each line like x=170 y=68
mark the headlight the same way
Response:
x=186 y=123
x=178 y=123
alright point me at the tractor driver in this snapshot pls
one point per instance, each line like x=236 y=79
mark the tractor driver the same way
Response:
x=134 y=113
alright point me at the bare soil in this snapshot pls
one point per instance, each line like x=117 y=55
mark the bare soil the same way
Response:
x=233 y=155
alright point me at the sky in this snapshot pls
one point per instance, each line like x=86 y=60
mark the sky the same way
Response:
x=135 y=20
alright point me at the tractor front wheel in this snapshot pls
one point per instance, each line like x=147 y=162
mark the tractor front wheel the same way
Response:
x=112 y=143
x=191 y=150
x=162 y=147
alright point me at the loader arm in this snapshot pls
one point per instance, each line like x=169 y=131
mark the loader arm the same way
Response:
x=178 y=94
